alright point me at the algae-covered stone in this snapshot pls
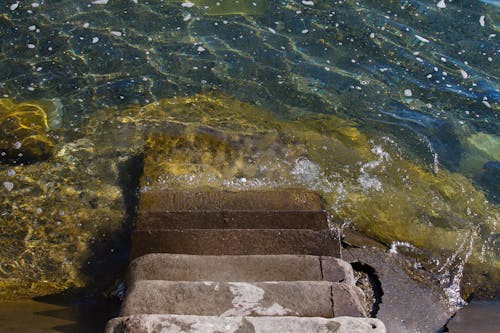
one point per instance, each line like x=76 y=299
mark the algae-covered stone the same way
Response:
x=366 y=181
x=23 y=131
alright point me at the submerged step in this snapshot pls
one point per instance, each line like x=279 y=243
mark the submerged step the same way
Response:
x=213 y=324
x=234 y=242
x=297 y=298
x=206 y=200
x=242 y=219
x=251 y=268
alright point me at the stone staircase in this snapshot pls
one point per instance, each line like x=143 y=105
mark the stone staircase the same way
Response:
x=252 y=261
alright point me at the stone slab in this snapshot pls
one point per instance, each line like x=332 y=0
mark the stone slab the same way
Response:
x=298 y=298
x=408 y=304
x=234 y=242
x=193 y=200
x=206 y=324
x=252 y=268
x=245 y=219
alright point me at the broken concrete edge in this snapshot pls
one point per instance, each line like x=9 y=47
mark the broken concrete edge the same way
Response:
x=210 y=324
x=411 y=300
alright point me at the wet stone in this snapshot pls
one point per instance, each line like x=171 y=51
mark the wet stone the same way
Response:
x=411 y=300
x=233 y=242
x=314 y=220
x=199 y=200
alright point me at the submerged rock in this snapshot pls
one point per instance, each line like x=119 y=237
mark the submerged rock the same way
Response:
x=64 y=214
x=24 y=127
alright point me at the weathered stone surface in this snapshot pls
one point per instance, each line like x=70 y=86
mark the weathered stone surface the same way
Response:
x=252 y=268
x=348 y=300
x=208 y=324
x=298 y=298
x=408 y=305
x=478 y=316
x=233 y=242
x=314 y=220
x=198 y=200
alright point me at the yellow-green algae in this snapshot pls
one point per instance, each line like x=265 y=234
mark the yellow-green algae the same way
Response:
x=60 y=210
x=232 y=7
x=23 y=130
x=487 y=143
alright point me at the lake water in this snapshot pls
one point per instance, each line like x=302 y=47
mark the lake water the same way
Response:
x=390 y=109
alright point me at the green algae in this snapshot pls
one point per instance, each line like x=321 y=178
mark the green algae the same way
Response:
x=24 y=130
x=232 y=7
x=487 y=143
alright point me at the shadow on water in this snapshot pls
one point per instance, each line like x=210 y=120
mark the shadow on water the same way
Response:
x=86 y=310
x=56 y=313
x=109 y=259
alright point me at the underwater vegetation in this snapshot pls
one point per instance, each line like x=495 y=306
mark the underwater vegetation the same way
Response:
x=228 y=7
x=24 y=130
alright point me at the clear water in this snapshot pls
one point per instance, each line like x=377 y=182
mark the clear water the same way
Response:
x=389 y=108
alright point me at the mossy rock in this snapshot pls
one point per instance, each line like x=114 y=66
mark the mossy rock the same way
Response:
x=24 y=131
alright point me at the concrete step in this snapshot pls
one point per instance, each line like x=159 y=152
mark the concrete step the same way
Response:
x=212 y=324
x=251 y=268
x=206 y=298
x=242 y=219
x=234 y=242
x=206 y=200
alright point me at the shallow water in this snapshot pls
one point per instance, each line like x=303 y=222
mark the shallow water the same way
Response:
x=30 y=316
x=389 y=108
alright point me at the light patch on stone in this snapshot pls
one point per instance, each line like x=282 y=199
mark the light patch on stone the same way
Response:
x=246 y=301
x=195 y=324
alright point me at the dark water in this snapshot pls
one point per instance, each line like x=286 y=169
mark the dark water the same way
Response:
x=409 y=90
x=48 y=317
